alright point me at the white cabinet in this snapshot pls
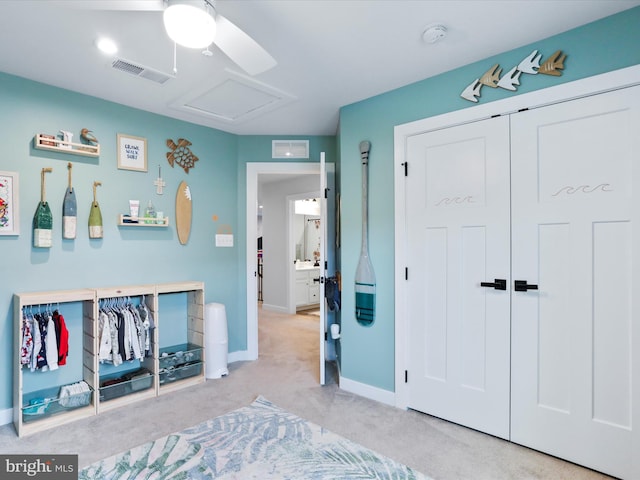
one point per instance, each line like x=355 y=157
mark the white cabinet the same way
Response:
x=307 y=287
x=177 y=362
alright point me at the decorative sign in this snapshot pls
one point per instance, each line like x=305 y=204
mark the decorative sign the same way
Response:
x=181 y=154
x=9 y=211
x=510 y=80
x=132 y=153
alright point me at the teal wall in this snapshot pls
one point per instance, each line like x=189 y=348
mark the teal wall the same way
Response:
x=125 y=256
x=367 y=353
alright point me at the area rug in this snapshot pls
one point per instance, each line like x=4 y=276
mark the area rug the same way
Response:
x=261 y=442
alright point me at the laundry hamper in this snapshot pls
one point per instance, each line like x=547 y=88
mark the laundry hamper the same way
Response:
x=216 y=340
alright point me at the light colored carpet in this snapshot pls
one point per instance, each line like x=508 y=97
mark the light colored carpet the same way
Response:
x=286 y=373
x=261 y=441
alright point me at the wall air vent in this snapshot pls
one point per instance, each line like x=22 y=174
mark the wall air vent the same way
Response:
x=290 y=149
x=140 y=71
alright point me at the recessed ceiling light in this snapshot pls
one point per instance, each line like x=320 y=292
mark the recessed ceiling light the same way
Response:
x=107 y=45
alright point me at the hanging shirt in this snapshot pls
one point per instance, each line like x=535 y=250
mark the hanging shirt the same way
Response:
x=62 y=337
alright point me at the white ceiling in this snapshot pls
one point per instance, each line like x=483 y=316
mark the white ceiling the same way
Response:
x=330 y=53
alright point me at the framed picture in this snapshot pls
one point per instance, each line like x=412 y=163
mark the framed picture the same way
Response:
x=132 y=153
x=9 y=208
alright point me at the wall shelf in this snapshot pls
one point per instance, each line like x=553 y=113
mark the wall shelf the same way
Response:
x=140 y=222
x=44 y=142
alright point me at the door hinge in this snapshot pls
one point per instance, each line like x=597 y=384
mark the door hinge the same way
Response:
x=326 y=265
x=406 y=273
x=326 y=193
x=406 y=376
x=406 y=168
x=326 y=338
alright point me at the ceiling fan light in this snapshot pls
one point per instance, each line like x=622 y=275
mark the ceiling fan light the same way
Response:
x=189 y=26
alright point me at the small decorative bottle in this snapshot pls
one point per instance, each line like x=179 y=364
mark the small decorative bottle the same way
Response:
x=150 y=213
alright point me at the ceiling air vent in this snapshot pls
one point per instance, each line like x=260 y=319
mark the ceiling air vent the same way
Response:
x=140 y=71
x=290 y=149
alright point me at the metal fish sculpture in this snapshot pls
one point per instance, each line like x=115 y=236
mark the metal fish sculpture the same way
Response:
x=490 y=77
x=181 y=154
x=472 y=91
x=553 y=64
x=531 y=64
x=510 y=79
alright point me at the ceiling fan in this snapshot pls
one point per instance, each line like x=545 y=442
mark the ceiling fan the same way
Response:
x=197 y=24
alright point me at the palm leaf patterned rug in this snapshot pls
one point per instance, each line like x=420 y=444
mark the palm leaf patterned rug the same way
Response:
x=261 y=442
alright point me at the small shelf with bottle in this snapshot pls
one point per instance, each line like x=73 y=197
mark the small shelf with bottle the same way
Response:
x=53 y=144
x=129 y=221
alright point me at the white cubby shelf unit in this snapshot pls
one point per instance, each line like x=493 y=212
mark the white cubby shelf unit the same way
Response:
x=37 y=404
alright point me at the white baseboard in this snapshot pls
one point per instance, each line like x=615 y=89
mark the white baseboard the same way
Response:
x=241 y=356
x=367 y=391
x=275 y=308
x=6 y=416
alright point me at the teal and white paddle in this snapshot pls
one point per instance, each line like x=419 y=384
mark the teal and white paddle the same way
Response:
x=365 y=276
x=43 y=219
x=69 y=210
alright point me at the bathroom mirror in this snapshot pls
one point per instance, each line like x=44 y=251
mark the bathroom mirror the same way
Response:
x=307 y=230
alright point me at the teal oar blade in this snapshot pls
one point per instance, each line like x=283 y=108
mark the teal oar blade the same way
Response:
x=69 y=214
x=365 y=281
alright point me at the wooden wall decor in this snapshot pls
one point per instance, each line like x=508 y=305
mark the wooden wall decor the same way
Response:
x=511 y=80
x=181 y=154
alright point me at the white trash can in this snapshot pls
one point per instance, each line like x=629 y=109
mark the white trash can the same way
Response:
x=216 y=340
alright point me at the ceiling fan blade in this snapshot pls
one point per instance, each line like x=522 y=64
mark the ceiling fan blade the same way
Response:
x=116 y=5
x=241 y=48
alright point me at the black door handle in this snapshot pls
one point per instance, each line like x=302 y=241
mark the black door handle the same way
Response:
x=522 y=286
x=499 y=284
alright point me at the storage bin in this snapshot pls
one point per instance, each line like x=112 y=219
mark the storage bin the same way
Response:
x=131 y=382
x=47 y=403
x=177 y=355
x=171 y=374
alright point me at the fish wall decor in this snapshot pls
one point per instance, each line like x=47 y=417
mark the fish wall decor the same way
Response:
x=530 y=65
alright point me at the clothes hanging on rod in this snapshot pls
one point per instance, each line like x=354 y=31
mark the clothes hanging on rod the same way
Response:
x=45 y=339
x=124 y=331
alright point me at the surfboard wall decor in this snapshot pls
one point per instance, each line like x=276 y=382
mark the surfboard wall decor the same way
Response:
x=183 y=212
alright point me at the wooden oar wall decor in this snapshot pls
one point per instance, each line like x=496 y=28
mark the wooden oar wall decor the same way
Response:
x=95 y=216
x=43 y=219
x=511 y=80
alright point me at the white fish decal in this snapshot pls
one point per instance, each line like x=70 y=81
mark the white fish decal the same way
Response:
x=472 y=91
x=531 y=64
x=510 y=79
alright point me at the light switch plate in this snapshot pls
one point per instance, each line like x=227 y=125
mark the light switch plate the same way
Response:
x=224 y=240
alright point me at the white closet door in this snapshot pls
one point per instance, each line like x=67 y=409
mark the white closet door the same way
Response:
x=457 y=195
x=575 y=351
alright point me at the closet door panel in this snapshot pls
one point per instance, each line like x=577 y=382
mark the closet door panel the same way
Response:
x=573 y=224
x=458 y=236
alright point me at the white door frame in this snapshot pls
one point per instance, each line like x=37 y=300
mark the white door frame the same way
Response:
x=580 y=88
x=253 y=170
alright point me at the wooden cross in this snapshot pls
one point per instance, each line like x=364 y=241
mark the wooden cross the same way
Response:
x=159 y=183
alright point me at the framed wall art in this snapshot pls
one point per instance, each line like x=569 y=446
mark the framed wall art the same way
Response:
x=9 y=208
x=132 y=153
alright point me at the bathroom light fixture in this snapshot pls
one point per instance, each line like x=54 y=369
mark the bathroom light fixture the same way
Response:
x=106 y=45
x=189 y=26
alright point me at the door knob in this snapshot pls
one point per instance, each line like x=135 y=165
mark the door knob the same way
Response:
x=498 y=284
x=523 y=286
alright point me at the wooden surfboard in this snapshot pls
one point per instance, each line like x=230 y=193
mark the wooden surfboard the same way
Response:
x=183 y=212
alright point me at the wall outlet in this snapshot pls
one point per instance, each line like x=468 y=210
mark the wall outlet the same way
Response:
x=224 y=240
